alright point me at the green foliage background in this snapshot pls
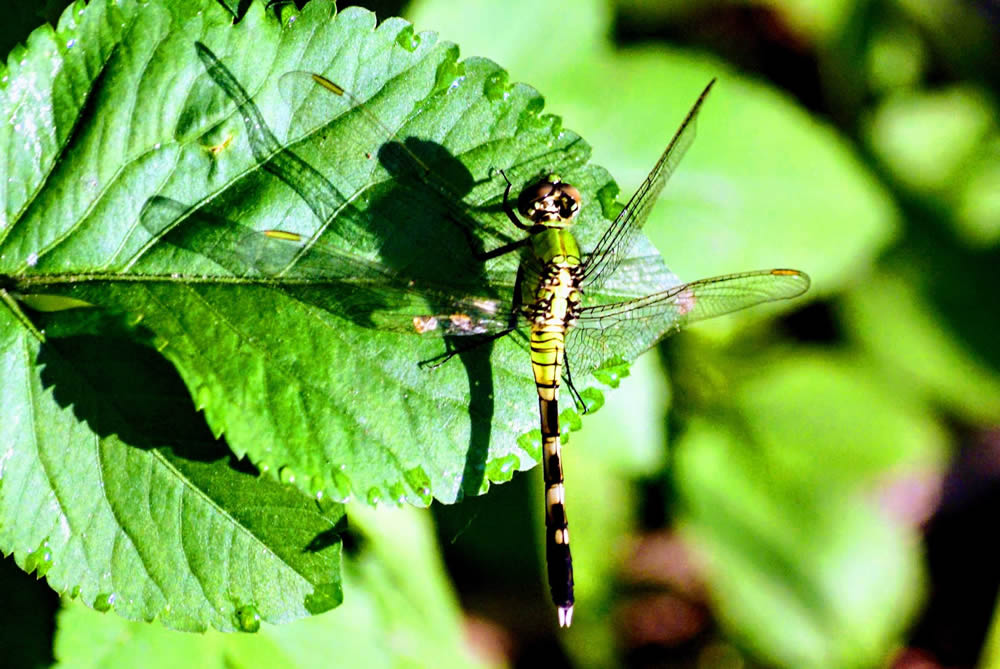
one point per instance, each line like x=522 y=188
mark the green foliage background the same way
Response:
x=772 y=445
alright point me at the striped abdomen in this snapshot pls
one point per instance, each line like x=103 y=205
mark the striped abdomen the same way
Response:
x=557 y=303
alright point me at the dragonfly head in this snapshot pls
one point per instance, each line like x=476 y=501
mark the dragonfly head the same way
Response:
x=550 y=202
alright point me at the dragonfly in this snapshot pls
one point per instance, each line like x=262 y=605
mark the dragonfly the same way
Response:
x=548 y=299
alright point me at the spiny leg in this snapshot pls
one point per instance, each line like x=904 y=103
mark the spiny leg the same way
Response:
x=475 y=342
x=507 y=209
x=471 y=344
x=577 y=399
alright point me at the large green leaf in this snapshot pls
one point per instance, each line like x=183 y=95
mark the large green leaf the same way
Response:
x=113 y=490
x=777 y=489
x=110 y=485
x=158 y=221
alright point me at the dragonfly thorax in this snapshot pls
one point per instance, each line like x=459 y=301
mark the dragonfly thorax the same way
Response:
x=557 y=299
x=550 y=202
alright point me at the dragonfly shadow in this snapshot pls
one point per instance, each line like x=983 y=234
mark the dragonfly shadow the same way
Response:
x=445 y=238
x=344 y=285
x=478 y=369
x=382 y=248
x=425 y=229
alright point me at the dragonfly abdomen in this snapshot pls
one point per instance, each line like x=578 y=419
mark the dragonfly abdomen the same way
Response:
x=558 y=559
x=556 y=306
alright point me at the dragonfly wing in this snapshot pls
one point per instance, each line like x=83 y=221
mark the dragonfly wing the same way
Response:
x=315 y=272
x=617 y=240
x=620 y=331
x=244 y=253
x=643 y=270
x=374 y=296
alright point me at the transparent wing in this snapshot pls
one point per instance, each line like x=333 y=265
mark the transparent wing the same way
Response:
x=312 y=271
x=620 y=331
x=617 y=240
x=343 y=283
x=374 y=296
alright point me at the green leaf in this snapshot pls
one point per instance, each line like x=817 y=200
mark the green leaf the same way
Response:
x=632 y=420
x=926 y=339
x=944 y=147
x=927 y=140
x=801 y=411
x=400 y=613
x=161 y=223
x=111 y=488
x=804 y=575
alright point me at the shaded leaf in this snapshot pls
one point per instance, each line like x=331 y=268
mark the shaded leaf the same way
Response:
x=111 y=488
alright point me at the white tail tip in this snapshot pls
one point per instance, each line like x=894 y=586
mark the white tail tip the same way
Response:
x=565 y=615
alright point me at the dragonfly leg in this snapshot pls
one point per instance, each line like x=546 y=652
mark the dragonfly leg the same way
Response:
x=507 y=209
x=470 y=344
x=577 y=399
x=483 y=256
x=504 y=250
x=475 y=342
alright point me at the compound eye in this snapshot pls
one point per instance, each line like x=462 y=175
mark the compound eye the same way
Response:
x=571 y=199
x=549 y=201
x=533 y=198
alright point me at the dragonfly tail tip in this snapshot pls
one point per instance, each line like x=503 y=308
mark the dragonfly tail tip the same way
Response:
x=565 y=615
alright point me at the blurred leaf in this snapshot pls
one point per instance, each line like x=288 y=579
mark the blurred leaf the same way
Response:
x=926 y=138
x=513 y=34
x=897 y=57
x=991 y=648
x=114 y=491
x=803 y=411
x=906 y=333
x=409 y=613
x=768 y=186
x=958 y=32
x=601 y=507
x=978 y=208
x=87 y=639
x=628 y=435
x=817 y=22
x=397 y=612
x=804 y=574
